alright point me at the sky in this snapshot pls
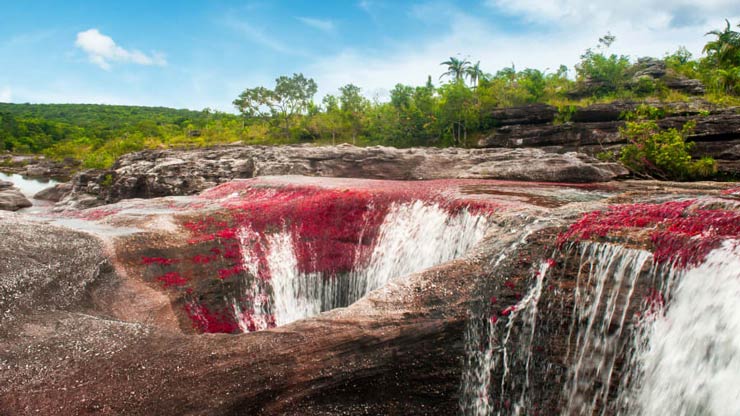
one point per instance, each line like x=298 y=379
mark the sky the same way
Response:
x=202 y=54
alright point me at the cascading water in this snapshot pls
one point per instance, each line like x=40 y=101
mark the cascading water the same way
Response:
x=412 y=237
x=674 y=350
x=602 y=298
x=688 y=362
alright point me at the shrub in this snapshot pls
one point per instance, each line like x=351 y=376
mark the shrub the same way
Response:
x=664 y=154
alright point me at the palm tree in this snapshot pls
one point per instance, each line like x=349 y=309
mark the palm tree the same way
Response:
x=456 y=68
x=725 y=50
x=474 y=73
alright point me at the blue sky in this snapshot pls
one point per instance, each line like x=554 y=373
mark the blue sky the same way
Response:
x=197 y=54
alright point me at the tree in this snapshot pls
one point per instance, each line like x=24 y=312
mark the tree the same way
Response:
x=291 y=96
x=456 y=68
x=353 y=106
x=474 y=73
x=724 y=51
x=331 y=120
x=603 y=73
x=458 y=112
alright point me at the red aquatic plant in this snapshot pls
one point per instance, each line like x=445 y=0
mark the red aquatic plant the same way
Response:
x=172 y=279
x=680 y=232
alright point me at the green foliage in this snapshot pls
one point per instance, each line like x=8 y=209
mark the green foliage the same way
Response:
x=291 y=96
x=604 y=73
x=455 y=113
x=457 y=69
x=659 y=153
x=565 y=113
x=606 y=156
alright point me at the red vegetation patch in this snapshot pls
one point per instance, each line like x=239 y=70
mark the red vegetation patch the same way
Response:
x=158 y=260
x=172 y=279
x=680 y=232
x=212 y=322
x=332 y=231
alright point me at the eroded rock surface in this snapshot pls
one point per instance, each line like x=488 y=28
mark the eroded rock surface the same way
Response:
x=155 y=173
x=118 y=339
x=595 y=129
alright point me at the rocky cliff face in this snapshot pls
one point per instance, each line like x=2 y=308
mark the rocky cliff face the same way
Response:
x=155 y=173
x=116 y=325
x=595 y=129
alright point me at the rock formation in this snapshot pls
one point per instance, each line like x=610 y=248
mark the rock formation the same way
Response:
x=595 y=128
x=36 y=166
x=113 y=324
x=155 y=173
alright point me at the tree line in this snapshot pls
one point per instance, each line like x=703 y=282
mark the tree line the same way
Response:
x=450 y=110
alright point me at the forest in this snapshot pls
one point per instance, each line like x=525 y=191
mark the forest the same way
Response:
x=451 y=109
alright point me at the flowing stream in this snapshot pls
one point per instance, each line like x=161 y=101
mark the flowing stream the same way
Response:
x=28 y=186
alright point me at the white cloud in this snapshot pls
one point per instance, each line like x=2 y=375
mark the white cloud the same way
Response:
x=544 y=46
x=6 y=95
x=655 y=14
x=102 y=50
x=324 y=25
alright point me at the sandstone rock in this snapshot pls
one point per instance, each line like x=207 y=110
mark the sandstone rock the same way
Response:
x=154 y=173
x=54 y=193
x=595 y=128
x=80 y=337
x=5 y=185
x=13 y=200
x=528 y=114
x=685 y=85
x=649 y=67
x=39 y=166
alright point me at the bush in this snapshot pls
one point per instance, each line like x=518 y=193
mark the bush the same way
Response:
x=664 y=154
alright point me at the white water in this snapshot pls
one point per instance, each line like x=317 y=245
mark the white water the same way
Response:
x=485 y=353
x=411 y=238
x=602 y=298
x=603 y=292
x=28 y=186
x=690 y=364
x=681 y=358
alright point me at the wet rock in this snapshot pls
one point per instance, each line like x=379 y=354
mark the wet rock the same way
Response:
x=12 y=200
x=5 y=185
x=82 y=335
x=54 y=193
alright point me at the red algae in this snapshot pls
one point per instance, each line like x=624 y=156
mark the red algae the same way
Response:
x=158 y=260
x=212 y=322
x=681 y=232
x=333 y=231
x=172 y=279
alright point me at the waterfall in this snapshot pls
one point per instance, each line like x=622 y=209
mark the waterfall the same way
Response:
x=602 y=298
x=504 y=346
x=674 y=349
x=486 y=353
x=411 y=238
x=690 y=362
